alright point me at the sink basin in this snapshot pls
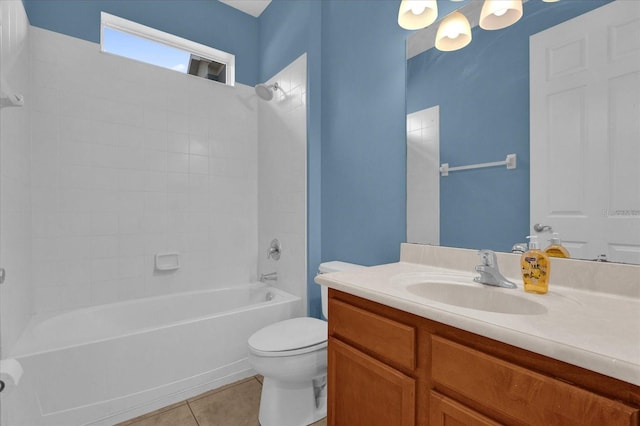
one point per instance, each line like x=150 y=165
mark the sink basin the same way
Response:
x=489 y=299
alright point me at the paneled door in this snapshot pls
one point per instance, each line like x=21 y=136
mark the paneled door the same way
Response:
x=585 y=132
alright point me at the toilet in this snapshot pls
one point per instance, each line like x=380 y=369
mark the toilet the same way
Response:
x=292 y=357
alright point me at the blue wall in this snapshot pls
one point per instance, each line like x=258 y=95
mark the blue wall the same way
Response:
x=287 y=30
x=204 y=21
x=356 y=124
x=483 y=93
x=363 y=132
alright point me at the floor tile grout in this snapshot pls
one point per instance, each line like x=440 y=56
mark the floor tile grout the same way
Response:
x=196 y=404
x=193 y=414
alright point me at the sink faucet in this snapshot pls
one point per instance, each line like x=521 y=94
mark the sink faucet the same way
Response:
x=272 y=276
x=489 y=272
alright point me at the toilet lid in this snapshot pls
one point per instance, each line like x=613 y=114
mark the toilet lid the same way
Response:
x=289 y=335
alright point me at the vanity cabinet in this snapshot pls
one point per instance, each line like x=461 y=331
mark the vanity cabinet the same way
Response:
x=388 y=367
x=376 y=381
x=445 y=411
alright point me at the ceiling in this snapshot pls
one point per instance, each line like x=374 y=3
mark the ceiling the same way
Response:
x=252 y=7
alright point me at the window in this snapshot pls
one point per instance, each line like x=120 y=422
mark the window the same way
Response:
x=135 y=41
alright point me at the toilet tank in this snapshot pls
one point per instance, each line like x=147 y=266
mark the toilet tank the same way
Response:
x=327 y=267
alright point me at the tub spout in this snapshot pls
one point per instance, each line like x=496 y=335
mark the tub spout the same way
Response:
x=272 y=276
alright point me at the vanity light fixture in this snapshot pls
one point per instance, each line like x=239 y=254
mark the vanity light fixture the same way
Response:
x=454 y=32
x=498 y=14
x=417 y=14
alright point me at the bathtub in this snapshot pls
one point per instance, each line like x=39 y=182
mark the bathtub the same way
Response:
x=109 y=363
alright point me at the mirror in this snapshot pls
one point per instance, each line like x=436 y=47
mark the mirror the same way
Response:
x=483 y=98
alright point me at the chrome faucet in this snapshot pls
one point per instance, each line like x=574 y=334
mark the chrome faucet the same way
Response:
x=520 y=248
x=272 y=276
x=489 y=272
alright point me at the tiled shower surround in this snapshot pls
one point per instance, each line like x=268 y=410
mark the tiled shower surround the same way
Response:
x=16 y=293
x=130 y=160
x=282 y=183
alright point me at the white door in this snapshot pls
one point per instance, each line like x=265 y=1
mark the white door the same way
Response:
x=585 y=132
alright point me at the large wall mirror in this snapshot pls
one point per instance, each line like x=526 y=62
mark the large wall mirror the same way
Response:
x=529 y=91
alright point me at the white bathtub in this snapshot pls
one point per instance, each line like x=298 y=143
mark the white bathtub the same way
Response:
x=108 y=363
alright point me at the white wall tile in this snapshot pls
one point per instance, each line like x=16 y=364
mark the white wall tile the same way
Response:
x=198 y=164
x=198 y=144
x=104 y=223
x=129 y=267
x=132 y=245
x=125 y=171
x=177 y=201
x=198 y=184
x=178 y=142
x=104 y=269
x=177 y=182
x=155 y=160
x=104 y=292
x=178 y=123
x=177 y=163
x=154 y=181
x=282 y=177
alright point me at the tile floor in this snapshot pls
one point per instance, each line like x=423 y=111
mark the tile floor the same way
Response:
x=233 y=405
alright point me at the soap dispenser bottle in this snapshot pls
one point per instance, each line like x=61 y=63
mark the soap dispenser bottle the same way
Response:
x=555 y=248
x=535 y=268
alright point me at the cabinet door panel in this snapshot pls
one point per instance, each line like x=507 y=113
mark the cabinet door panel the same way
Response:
x=520 y=393
x=394 y=341
x=363 y=391
x=447 y=412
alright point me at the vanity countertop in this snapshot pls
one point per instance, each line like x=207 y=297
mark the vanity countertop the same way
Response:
x=594 y=330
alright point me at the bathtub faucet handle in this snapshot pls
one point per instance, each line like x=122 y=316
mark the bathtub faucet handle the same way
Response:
x=274 y=250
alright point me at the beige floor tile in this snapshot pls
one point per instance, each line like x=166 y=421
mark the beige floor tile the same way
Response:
x=237 y=405
x=180 y=414
x=322 y=422
x=221 y=389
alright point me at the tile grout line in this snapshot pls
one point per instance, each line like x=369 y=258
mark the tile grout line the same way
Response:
x=192 y=413
x=164 y=410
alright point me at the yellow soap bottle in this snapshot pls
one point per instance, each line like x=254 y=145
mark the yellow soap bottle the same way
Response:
x=555 y=248
x=535 y=268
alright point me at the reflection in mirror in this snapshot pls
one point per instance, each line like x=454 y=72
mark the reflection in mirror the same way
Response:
x=423 y=185
x=483 y=95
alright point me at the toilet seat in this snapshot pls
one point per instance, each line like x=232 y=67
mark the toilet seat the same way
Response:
x=290 y=337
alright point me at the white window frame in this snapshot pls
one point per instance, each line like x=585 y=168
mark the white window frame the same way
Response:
x=120 y=24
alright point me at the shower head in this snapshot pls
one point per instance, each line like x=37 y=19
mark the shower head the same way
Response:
x=265 y=91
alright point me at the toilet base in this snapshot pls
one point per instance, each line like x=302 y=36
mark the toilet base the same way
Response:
x=292 y=403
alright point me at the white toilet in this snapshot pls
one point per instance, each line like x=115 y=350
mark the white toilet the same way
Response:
x=292 y=357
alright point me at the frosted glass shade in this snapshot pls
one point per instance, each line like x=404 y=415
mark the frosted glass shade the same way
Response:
x=498 y=14
x=454 y=32
x=416 y=14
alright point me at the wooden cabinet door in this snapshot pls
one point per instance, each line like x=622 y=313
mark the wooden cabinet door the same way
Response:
x=363 y=391
x=447 y=412
x=506 y=389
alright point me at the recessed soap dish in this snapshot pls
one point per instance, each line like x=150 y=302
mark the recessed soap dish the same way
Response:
x=167 y=261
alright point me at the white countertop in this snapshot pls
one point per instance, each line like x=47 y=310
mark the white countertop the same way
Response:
x=593 y=330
